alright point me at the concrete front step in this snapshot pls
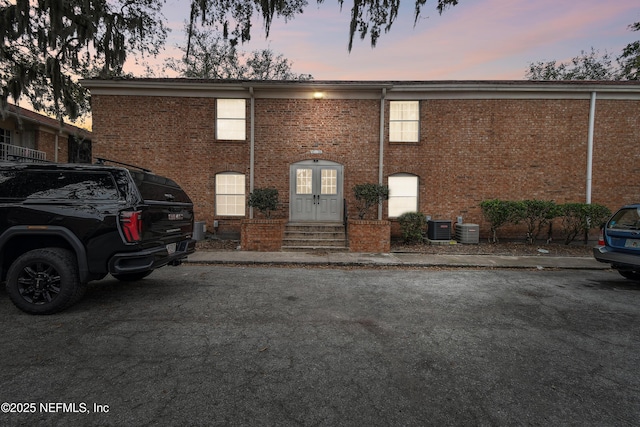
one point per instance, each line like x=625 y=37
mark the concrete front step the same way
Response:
x=314 y=227
x=315 y=249
x=314 y=242
x=314 y=237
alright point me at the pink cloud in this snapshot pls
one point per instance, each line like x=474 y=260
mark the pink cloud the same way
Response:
x=481 y=39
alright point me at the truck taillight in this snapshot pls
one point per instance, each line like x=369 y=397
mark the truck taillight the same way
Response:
x=131 y=222
x=601 y=238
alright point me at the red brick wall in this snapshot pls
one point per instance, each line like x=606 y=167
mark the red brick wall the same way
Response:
x=346 y=131
x=472 y=150
x=46 y=141
x=616 y=169
x=262 y=235
x=369 y=236
x=469 y=150
x=173 y=137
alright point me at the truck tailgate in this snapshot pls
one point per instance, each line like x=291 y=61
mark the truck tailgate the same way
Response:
x=165 y=222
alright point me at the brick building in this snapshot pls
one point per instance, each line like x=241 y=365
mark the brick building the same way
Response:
x=29 y=135
x=441 y=147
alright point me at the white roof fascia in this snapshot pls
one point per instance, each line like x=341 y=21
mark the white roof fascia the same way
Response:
x=365 y=89
x=171 y=87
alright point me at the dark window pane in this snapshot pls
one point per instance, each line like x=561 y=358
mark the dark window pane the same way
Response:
x=57 y=185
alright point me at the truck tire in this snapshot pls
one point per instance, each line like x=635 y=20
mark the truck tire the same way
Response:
x=631 y=275
x=44 y=281
x=132 y=277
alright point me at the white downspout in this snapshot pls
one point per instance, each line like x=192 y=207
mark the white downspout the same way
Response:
x=592 y=114
x=252 y=150
x=381 y=159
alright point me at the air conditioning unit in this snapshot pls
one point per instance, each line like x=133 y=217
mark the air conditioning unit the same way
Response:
x=439 y=230
x=199 y=230
x=468 y=233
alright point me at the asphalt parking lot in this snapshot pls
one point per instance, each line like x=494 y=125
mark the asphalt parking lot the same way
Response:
x=215 y=345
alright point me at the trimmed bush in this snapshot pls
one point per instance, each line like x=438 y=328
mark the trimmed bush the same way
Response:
x=265 y=200
x=413 y=225
x=537 y=214
x=577 y=218
x=498 y=213
x=580 y=218
x=369 y=195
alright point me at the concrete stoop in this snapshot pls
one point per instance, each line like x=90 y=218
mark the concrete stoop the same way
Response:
x=305 y=237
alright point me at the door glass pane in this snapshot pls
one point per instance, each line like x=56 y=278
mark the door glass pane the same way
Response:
x=303 y=181
x=329 y=181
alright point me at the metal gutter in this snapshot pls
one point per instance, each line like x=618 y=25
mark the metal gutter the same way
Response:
x=252 y=147
x=499 y=89
x=592 y=114
x=396 y=86
x=381 y=158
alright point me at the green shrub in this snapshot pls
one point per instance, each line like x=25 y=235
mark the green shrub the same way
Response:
x=369 y=195
x=413 y=225
x=580 y=218
x=536 y=214
x=498 y=213
x=265 y=200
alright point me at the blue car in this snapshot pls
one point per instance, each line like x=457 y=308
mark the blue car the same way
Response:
x=619 y=243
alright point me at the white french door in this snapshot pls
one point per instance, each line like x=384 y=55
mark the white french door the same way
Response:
x=316 y=191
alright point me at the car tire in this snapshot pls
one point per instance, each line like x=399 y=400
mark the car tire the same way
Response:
x=132 y=277
x=630 y=274
x=44 y=281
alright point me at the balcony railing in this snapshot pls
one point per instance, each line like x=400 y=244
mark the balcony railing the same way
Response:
x=21 y=154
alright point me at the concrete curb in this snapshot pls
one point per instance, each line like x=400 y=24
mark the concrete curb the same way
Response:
x=412 y=260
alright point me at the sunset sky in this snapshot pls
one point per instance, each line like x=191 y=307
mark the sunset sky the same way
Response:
x=476 y=40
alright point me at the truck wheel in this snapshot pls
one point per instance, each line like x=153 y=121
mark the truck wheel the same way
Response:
x=631 y=275
x=132 y=277
x=44 y=281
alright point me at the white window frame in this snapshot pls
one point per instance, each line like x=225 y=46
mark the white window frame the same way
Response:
x=404 y=121
x=231 y=119
x=231 y=198
x=403 y=194
x=5 y=136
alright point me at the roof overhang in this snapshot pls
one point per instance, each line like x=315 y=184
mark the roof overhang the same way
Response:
x=366 y=89
x=44 y=123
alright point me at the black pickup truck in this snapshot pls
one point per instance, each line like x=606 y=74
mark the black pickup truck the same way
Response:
x=64 y=225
